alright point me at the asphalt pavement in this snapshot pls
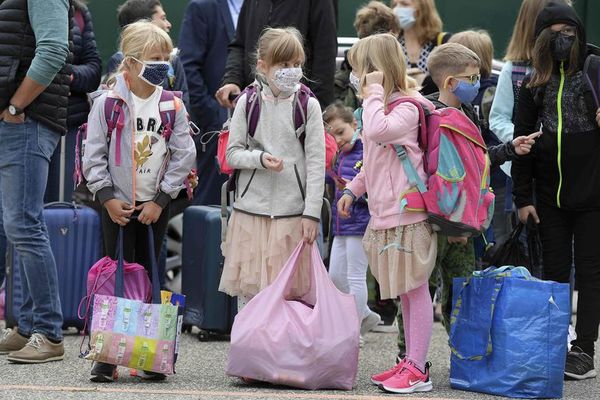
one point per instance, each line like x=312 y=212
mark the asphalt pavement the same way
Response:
x=200 y=375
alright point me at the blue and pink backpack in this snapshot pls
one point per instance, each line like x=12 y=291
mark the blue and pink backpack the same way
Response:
x=457 y=195
x=113 y=113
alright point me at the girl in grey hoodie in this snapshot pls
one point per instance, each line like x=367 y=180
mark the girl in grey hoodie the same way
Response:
x=280 y=182
x=141 y=165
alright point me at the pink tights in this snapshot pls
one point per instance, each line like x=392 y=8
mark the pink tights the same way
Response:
x=417 y=313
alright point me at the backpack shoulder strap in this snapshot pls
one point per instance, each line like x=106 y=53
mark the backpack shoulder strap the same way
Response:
x=167 y=107
x=252 y=107
x=442 y=38
x=300 y=108
x=114 y=115
x=409 y=169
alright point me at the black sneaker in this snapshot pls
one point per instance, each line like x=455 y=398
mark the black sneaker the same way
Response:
x=579 y=365
x=104 y=373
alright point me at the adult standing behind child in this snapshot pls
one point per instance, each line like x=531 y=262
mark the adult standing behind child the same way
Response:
x=280 y=181
x=348 y=262
x=402 y=269
x=563 y=169
x=421 y=33
x=139 y=173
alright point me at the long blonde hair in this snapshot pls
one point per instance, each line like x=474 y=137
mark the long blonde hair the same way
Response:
x=137 y=39
x=381 y=52
x=428 y=23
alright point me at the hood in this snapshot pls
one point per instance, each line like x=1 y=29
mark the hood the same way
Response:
x=560 y=13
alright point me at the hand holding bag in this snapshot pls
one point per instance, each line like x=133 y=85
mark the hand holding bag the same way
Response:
x=309 y=342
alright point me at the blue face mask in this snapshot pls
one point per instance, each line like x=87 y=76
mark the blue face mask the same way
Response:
x=153 y=72
x=466 y=92
x=406 y=16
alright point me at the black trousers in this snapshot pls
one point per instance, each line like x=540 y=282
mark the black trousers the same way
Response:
x=561 y=233
x=135 y=238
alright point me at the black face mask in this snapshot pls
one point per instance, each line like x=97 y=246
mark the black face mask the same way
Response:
x=561 y=46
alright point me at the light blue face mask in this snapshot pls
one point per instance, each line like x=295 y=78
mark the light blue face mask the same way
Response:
x=466 y=92
x=406 y=16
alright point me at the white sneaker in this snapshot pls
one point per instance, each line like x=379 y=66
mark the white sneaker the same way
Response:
x=369 y=322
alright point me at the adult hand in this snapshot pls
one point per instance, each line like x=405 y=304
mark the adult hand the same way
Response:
x=224 y=92
x=12 y=119
x=523 y=144
x=309 y=230
x=458 y=240
x=150 y=212
x=271 y=162
x=524 y=213
x=598 y=117
x=344 y=205
x=119 y=211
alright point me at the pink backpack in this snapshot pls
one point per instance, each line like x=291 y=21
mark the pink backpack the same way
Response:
x=456 y=195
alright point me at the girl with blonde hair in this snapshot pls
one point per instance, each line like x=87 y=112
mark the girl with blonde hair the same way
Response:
x=138 y=172
x=280 y=182
x=400 y=244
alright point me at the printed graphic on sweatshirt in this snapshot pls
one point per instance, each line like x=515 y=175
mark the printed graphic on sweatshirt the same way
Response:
x=150 y=147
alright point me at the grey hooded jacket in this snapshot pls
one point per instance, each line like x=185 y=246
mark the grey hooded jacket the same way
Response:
x=106 y=180
x=298 y=189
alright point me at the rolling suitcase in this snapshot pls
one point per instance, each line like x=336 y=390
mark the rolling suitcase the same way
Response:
x=76 y=241
x=201 y=267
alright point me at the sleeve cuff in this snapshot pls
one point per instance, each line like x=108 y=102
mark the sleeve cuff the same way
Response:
x=162 y=199
x=349 y=193
x=260 y=158
x=105 y=194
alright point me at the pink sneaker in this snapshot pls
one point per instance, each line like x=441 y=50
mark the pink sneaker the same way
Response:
x=381 y=377
x=408 y=380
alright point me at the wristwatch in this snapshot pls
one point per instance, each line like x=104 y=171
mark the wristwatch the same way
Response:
x=14 y=110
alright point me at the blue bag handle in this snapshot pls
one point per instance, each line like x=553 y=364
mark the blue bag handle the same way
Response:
x=481 y=353
x=119 y=279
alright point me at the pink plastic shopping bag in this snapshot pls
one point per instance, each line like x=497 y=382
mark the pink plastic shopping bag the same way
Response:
x=309 y=342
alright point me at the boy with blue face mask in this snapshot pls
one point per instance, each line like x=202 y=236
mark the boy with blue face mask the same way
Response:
x=455 y=70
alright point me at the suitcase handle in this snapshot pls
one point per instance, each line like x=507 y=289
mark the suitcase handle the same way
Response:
x=64 y=204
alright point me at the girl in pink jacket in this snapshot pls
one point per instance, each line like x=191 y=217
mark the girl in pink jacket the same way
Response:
x=400 y=243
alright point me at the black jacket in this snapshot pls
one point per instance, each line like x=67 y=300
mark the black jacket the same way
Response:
x=564 y=165
x=17 y=49
x=87 y=67
x=314 y=19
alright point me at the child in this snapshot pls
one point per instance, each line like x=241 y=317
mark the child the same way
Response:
x=557 y=186
x=456 y=71
x=348 y=262
x=402 y=270
x=280 y=182
x=140 y=184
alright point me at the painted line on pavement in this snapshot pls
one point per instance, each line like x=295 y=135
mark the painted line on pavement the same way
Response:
x=230 y=395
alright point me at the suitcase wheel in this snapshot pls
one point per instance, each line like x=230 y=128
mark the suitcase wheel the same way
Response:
x=204 y=336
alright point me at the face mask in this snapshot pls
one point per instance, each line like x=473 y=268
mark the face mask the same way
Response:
x=153 y=72
x=354 y=81
x=286 y=79
x=466 y=92
x=406 y=16
x=561 y=46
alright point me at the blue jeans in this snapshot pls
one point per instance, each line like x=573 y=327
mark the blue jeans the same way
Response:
x=24 y=158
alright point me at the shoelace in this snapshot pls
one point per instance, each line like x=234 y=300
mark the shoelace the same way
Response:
x=4 y=334
x=35 y=341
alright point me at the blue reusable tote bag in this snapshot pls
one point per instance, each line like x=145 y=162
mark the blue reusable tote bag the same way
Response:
x=508 y=334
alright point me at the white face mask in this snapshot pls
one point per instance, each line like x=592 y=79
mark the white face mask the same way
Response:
x=287 y=79
x=406 y=16
x=354 y=81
